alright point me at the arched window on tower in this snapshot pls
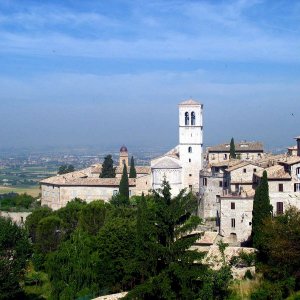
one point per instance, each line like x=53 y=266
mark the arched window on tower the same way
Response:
x=190 y=150
x=193 y=118
x=187 y=118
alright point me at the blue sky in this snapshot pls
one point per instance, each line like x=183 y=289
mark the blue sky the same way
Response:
x=112 y=72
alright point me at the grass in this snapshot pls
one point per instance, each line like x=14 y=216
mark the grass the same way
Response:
x=33 y=191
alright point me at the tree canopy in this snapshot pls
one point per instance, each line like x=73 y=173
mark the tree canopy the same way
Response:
x=64 y=169
x=14 y=253
x=262 y=209
x=124 y=184
x=108 y=169
x=232 y=149
x=132 y=171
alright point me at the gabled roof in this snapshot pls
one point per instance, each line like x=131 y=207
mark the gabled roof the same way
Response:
x=290 y=160
x=240 y=165
x=166 y=163
x=275 y=172
x=239 y=147
x=190 y=102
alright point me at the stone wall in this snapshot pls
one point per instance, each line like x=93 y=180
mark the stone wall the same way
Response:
x=17 y=217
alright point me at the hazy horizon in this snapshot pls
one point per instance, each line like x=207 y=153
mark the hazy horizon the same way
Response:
x=103 y=74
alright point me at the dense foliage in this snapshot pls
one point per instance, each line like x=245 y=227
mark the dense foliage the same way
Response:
x=232 y=149
x=14 y=253
x=124 y=184
x=16 y=202
x=132 y=171
x=108 y=169
x=262 y=210
x=64 y=169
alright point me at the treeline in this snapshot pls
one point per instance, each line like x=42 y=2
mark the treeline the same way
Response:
x=16 y=202
x=95 y=249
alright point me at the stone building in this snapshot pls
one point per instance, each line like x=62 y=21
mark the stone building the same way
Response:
x=244 y=151
x=85 y=184
x=181 y=165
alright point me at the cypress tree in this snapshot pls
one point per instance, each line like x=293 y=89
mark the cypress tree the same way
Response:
x=108 y=170
x=132 y=172
x=232 y=149
x=124 y=184
x=262 y=210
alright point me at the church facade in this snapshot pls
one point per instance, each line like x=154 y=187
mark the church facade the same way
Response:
x=180 y=167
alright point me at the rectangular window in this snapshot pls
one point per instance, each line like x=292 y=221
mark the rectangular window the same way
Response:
x=225 y=156
x=245 y=170
x=218 y=199
x=225 y=184
x=205 y=181
x=280 y=187
x=254 y=170
x=191 y=188
x=279 y=208
x=232 y=205
x=220 y=183
x=232 y=223
x=298 y=171
x=297 y=187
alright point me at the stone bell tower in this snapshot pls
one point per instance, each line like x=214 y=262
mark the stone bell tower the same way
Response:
x=123 y=157
x=191 y=142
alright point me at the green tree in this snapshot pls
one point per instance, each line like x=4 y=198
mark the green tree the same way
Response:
x=34 y=218
x=14 y=253
x=124 y=184
x=108 y=169
x=116 y=245
x=92 y=217
x=69 y=216
x=64 y=169
x=72 y=269
x=132 y=171
x=262 y=210
x=232 y=149
x=177 y=276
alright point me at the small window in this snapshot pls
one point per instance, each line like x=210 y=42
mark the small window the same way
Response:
x=279 y=206
x=225 y=184
x=232 y=205
x=297 y=187
x=193 y=118
x=190 y=175
x=298 y=171
x=190 y=160
x=254 y=170
x=218 y=199
x=225 y=156
x=191 y=188
x=187 y=118
x=245 y=170
x=205 y=181
x=280 y=187
x=220 y=183
x=190 y=150
x=232 y=223
x=22 y=220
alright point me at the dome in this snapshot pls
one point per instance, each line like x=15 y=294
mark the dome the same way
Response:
x=123 y=149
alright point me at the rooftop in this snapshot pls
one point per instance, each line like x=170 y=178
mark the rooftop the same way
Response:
x=290 y=160
x=240 y=165
x=275 y=172
x=239 y=147
x=190 y=102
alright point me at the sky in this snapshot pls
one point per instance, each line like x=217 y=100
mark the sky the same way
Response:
x=107 y=73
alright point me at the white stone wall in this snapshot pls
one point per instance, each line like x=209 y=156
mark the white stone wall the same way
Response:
x=216 y=157
x=50 y=196
x=242 y=215
x=173 y=176
x=191 y=136
x=17 y=217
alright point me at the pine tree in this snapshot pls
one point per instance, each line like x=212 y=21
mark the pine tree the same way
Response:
x=232 y=149
x=124 y=184
x=262 y=209
x=108 y=170
x=132 y=172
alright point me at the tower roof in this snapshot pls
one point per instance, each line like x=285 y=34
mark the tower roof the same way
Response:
x=190 y=102
x=123 y=149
